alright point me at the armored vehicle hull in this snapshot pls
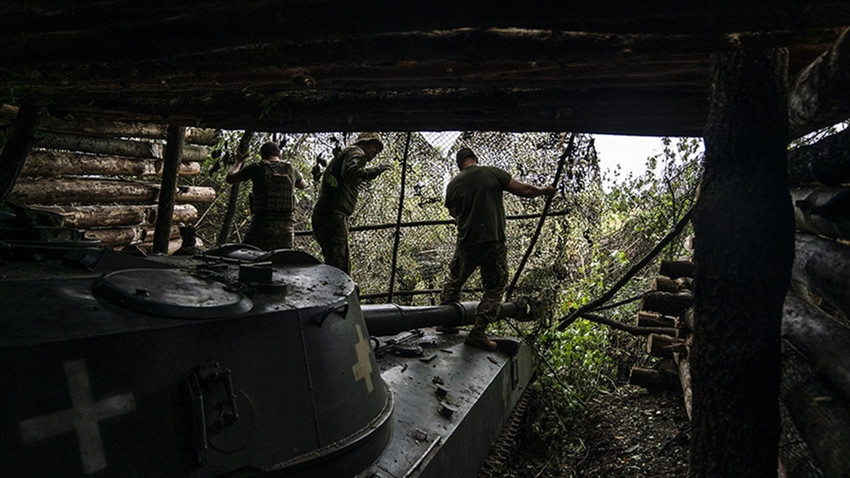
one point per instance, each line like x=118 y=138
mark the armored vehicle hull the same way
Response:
x=237 y=362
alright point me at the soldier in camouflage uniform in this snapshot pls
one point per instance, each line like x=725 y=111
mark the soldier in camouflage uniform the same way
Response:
x=474 y=199
x=272 y=180
x=341 y=180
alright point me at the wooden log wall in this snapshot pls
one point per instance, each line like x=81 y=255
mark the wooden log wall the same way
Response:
x=815 y=397
x=104 y=177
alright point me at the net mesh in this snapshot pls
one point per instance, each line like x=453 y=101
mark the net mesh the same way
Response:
x=402 y=236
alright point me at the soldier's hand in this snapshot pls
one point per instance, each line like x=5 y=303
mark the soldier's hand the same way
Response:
x=550 y=190
x=385 y=167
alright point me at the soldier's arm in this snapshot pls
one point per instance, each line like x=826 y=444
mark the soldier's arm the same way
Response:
x=529 y=190
x=233 y=175
x=354 y=167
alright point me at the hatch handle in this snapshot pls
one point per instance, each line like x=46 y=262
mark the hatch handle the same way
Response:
x=206 y=378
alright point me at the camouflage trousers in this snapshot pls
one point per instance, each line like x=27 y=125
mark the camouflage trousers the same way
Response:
x=491 y=259
x=270 y=233
x=331 y=232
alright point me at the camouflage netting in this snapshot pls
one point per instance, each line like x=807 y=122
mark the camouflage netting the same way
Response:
x=419 y=241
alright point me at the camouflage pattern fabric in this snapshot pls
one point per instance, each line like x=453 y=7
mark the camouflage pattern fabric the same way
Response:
x=331 y=232
x=492 y=259
x=270 y=232
x=272 y=192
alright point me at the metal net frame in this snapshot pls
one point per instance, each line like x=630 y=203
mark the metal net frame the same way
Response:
x=402 y=236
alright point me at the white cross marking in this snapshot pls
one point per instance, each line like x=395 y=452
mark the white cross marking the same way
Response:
x=82 y=417
x=363 y=367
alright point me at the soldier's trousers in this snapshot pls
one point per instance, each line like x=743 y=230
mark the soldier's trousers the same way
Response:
x=331 y=232
x=491 y=259
x=269 y=233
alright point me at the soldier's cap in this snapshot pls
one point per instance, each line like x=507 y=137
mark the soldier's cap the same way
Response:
x=364 y=137
x=464 y=153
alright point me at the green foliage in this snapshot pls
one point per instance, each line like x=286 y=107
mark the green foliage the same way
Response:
x=613 y=230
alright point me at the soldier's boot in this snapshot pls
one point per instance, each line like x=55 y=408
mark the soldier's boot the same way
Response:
x=477 y=337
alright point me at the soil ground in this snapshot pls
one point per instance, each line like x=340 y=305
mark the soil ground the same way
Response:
x=625 y=432
x=635 y=433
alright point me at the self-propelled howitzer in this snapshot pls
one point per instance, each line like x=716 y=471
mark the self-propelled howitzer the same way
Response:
x=236 y=362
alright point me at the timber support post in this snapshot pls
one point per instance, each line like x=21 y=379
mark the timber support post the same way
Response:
x=168 y=188
x=741 y=279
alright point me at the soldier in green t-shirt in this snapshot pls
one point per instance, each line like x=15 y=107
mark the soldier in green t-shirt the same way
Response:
x=474 y=199
x=341 y=182
x=272 y=180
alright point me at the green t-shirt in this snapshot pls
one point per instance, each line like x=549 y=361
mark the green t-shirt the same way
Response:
x=474 y=197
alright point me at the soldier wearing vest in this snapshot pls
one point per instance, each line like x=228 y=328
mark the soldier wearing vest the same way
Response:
x=272 y=182
x=341 y=181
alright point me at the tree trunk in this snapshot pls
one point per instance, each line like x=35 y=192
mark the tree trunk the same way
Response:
x=744 y=248
x=183 y=213
x=111 y=129
x=823 y=340
x=821 y=96
x=165 y=202
x=128 y=235
x=821 y=414
x=824 y=211
x=667 y=303
x=116 y=236
x=652 y=379
x=661 y=345
x=97 y=216
x=112 y=146
x=17 y=147
x=685 y=381
x=823 y=267
x=665 y=284
x=84 y=217
x=676 y=269
x=60 y=163
x=94 y=191
x=654 y=319
x=233 y=198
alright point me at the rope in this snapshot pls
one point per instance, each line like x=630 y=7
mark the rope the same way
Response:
x=567 y=153
x=398 y=217
x=595 y=304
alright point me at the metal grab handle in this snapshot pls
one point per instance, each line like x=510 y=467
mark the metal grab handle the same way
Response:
x=205 y=378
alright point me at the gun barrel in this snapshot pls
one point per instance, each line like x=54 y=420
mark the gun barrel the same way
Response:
x=391 y=319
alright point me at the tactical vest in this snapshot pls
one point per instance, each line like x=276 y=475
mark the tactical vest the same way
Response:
x=275 y=195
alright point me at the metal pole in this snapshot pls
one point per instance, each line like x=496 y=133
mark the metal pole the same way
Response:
x=398 y=216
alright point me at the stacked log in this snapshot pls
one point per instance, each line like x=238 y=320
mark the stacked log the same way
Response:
x=815 y=394
x=668 y=304
x=815 y=387
x=104 y=177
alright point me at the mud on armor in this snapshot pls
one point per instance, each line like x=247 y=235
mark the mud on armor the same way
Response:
x=276 y=196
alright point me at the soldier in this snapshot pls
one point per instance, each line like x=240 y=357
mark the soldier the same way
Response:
x=341 y=180
x=474 y=200
x=272 y=180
